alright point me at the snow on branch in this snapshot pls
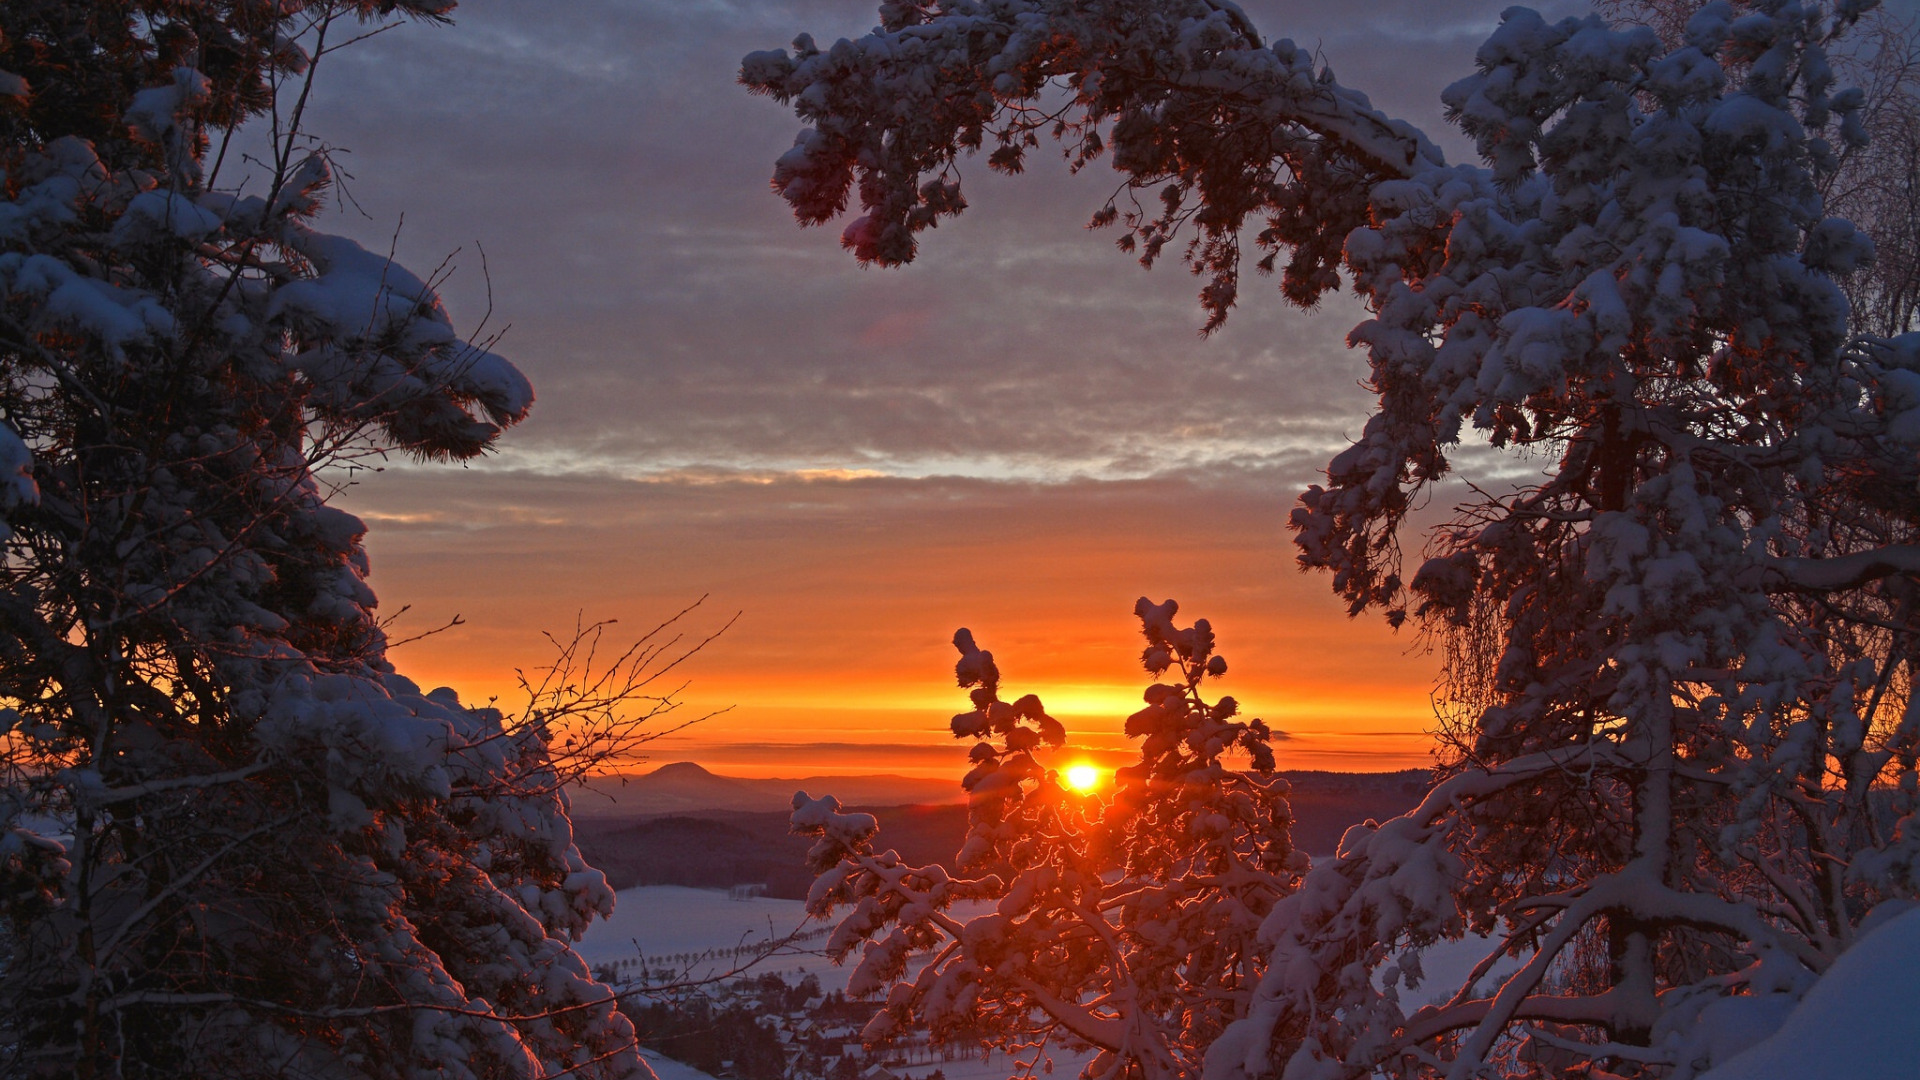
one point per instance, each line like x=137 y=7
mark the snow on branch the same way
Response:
x=1125 y=924
x=1680 y=750
x=1840 y=572
x=232 y=838
x=1182 y=96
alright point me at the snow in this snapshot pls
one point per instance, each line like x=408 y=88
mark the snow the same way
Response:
x=661 y=920
x=16 y=476
x=116 y=317
x=153 y=213
x=156 y=111
x=665 y=1068
x=657 y=921
x=301 y=344
x=1858 y=1021
x=1445 y=965
x=994 y=1066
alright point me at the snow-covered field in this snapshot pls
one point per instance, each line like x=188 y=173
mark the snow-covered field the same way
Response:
x=665 y=923
x=991 y=1067
x=661 y=922
x=996 y=1067
x=666 y=1068
x=1861 y=1021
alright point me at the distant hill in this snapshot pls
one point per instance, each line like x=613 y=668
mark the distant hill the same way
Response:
x=1326 y=804
x=684 y=786
x=721 y=848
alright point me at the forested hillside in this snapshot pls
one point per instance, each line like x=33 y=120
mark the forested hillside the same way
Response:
x=720 y=848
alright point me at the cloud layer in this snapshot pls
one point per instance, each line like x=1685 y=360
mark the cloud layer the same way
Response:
x=1021 y=433
x=671 y=315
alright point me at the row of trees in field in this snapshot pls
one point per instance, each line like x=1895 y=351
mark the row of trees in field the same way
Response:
x=1679 y=741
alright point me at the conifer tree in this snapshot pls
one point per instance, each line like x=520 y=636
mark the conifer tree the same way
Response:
x=1877 y=182
x=1127 y=925
x=233 y=840
x=1681 y=777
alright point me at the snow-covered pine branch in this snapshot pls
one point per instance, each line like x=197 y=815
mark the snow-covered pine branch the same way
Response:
x=1687 y=777
x=233 y=840
x=1178 y=93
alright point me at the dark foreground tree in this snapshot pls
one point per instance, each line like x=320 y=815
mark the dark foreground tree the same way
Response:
x=233 y=841
x=1680 y=773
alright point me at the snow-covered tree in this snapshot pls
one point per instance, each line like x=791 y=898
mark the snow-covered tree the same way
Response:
x=233 y=841
x=1127 y=925
x=1682 y=777
x=1875 y=183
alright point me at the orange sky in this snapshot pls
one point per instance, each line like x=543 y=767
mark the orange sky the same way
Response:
x=849 y=591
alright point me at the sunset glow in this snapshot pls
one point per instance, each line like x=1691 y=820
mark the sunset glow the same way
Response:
x=1082 y=778
x=858 y=463
x=849 y=592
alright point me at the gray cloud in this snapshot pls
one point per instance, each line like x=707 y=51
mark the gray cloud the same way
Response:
x=671 y=314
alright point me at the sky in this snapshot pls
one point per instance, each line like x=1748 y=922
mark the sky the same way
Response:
x=1021 y=433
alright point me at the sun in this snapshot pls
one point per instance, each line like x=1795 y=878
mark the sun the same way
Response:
x=1082 y=777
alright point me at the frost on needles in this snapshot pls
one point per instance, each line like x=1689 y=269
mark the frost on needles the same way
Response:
x=1678 y=775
